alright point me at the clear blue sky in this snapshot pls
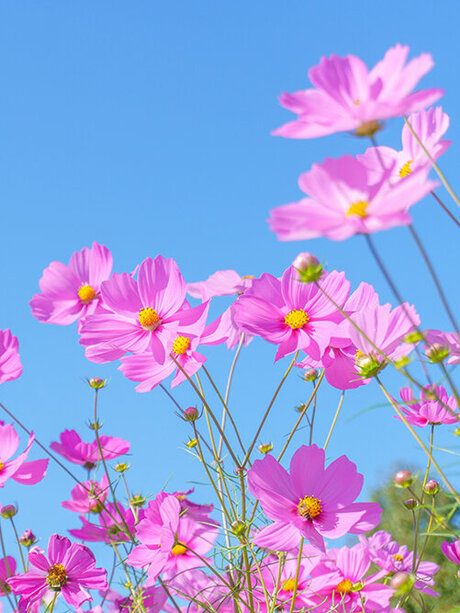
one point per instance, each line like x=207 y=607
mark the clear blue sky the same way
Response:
x=146 y=126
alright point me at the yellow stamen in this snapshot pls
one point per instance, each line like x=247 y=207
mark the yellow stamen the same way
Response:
x=358 y=208
x=178 y=550
x=148 y=318
x=57 y=577
x=86 y=293
x=296 y=319
x=248 y=277
x=180 y=345
x=406 y=169
x=344 y=587
x=309 y=507
x=398 y=557
x=288 y=585
x=2 y=466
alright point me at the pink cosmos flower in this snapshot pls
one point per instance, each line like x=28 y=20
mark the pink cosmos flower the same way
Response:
x=181 y=349
x=313 y=503
x=394 y=558
x=71 y=292
x=18 y=469
x=168 y=539
x=341 y=580
x=192 y=509
x=72 y=448
x=88 y=497
x=347 y=96
x=7 y=570
x=68 y=569
x=451 y=551
x=221 y=283
x=429 y=411
x=430 y=126
x=139 y=316
x=445 y=344
x=343 y=202
x=291 y=314
x=10 y=363
x=204 y=593
x=113 y=521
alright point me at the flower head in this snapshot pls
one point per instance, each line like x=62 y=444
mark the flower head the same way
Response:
x=221 y=283
x=72 y=448
x=452 y=551
x=18 y=469
x=430 y=408
x=10 y=363
x=88 y=497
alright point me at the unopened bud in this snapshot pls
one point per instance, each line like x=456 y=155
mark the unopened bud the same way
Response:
x=8 y=511
x=238 y=527
x=191 y=414
x=192 y=443
x=96 y=425
x=368 y=365
x=403 y=478
x=404 y=361
x=413 y=337
x=265 y=447
x=308 y=267
x=27 y=538
x=121 y=467
x=137 y=500
x=311 y=374
x=401 y=582
x=97 y=383
x=432 y=487
x=457 y=431
x=410 y=504
x=437 y=353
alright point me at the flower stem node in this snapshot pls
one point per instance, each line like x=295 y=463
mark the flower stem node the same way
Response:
x=265 y=448
x=410 y=504
x=122 y=467
x=191 y=414
x=238 y=527
x=308 y=267
x=403 y=478
x=96 y=383
x=97 y=425
x=311 y=374
x=8 y=511
x=432 y=487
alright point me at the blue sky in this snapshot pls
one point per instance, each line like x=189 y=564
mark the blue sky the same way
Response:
x=146 y=126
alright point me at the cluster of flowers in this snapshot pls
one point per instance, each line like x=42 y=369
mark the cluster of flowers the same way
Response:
x=167 y=546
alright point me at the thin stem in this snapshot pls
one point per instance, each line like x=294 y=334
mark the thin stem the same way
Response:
x=451 y=383
x=227 y=391
x=175 y=605
x=19 y=544
x=419 y=514
x=294 y=593
x=7 y=567
x=439 y=201
x=331 y=429
x=433 y=163
x=434 y=276
x=312 y=421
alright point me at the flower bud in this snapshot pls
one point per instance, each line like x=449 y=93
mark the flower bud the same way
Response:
x=401 y=582
x=311 y=374
x=95 y=425
x=404 y=361
x=137 y=500
x=191 y=414
x=192 y=443
x=265 y=447
x=437 y=353
x=432 y=487
x=308 y=267
x=122 y=467
x=403 y=478
x=368 y=365
x=8 y=511
x=97 y=383
x=27 y=538
x=413 y=337
x=238 y=527
x=410 y=504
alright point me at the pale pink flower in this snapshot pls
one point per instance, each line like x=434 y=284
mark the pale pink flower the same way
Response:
x=88 y=497
x=428 y=410
x=70 y=292
x=72 y=448
x=220 y=283
x=343 y=202
x=347 y=96
x=10 y=363
x=444 y=341
x=18 y=468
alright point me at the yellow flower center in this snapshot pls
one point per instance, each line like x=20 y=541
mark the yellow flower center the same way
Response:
x=296 y=319
x=86 y=293
x=288 y=585
x=344 y=587
x=309 y=507
x=148 y=318
x=57 y=577
x=178 y=550
x=2 y=466
x=406 y=169
x=180 y=345
x=358 y=208
x=398 y=557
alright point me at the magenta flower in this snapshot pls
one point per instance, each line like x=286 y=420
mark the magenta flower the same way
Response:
x=192 y=509
x=313 y=503
x=451 y=551
x=342 y=202
x=18 y=469
x=68 y=569
x=181 y=349
x=430 y=126
x=113 y=523
x=169 y=541
x=10 y=363
x=88 y=497
x=140 y=315
x=72 y=448
x=221 y=283
x=429 y=410
x=7 y=570
x=289 y=313
x=347 y=96
x=340 y=580
x=71 y=292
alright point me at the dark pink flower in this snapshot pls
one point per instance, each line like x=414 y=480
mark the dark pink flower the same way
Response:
x=342 y=202
x=192 y=509
x=72 y=448
x=313 y=503
x=451 y=551
x=88 y=497
x=67 y=569
x=140 y=315
x=18 y=469
x=10 y=363
x=70 y=292
x=292 y=314
x=428 y=410
x=347 y=96
x=114 y=521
